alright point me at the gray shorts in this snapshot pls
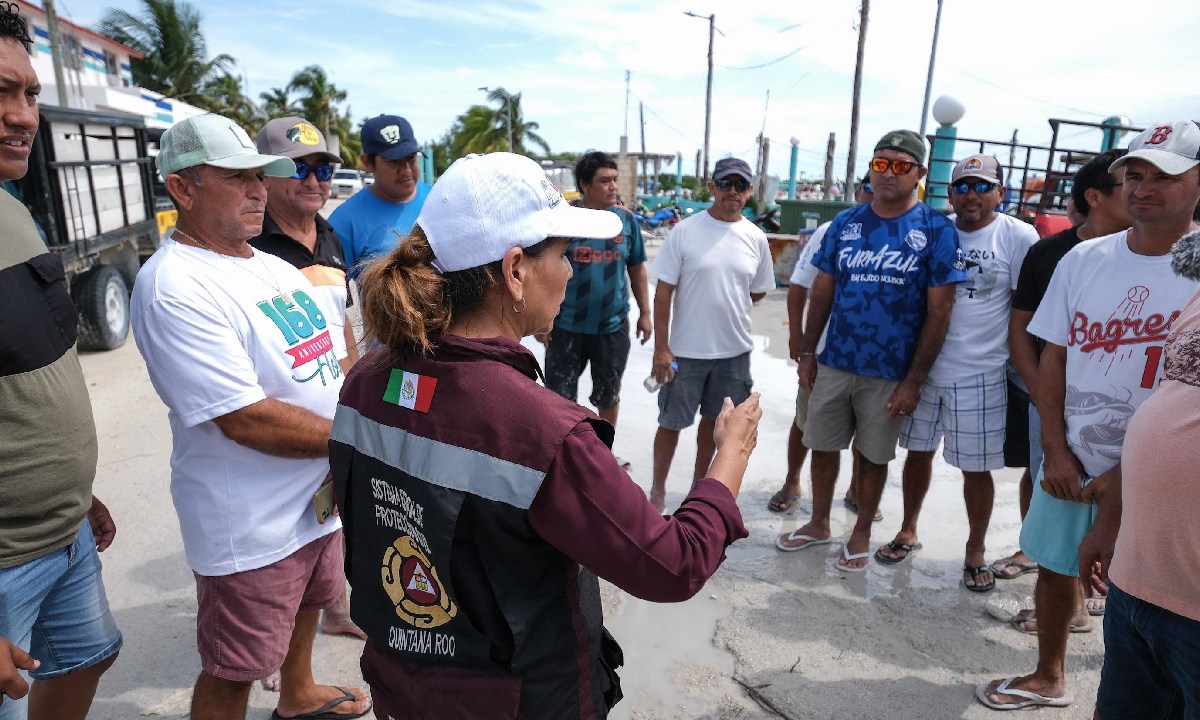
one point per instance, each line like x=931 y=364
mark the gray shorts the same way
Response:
x=802 y=396
x=844 y=406
x=704 y=384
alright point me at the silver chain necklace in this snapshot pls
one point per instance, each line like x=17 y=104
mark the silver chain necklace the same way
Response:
x=273 y=282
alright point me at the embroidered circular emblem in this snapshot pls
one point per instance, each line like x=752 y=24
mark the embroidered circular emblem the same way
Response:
x=303 y=133
x=916 y=239
x=412 y=583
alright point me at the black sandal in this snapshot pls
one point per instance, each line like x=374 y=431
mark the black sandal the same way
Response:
x=975 y=572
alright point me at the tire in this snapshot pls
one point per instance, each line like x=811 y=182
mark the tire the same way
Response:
x=102 y=298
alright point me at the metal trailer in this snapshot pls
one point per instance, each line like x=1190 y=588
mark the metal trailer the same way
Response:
x=91 y=191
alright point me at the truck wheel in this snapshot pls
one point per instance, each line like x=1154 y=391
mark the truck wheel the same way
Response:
x=102 y=298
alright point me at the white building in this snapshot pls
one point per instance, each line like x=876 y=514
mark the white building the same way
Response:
x=97 y=72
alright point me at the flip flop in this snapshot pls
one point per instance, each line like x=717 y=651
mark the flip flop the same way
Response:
x=782 y=502
x=1021 y=621
x=1031 y=699
x=1007 y=569
x=975 y=571
x=847 y=557
x=795 y=535
x=894 y=546
x=853 y=507
x=1095 y=605
x=323 y=712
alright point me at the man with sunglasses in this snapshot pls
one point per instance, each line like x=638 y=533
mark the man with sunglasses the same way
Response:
x=885 y=289
x=965 y=396
x=710 y=269
x=372 y=223
x=293 y=228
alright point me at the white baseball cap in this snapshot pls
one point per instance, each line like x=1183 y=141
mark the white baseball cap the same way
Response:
x=217 y=141
x=1173 y=148
x=485 y=204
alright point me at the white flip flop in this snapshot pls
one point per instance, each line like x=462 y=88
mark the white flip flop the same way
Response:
x=847 y=557
x=809 y=541
x=1032 y=699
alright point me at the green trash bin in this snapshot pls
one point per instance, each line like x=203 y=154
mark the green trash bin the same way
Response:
x=797 y=215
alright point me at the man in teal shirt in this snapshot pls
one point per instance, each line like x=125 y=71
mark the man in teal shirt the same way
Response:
x=592 y=326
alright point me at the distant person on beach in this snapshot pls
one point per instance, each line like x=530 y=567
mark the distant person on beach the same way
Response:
x=477 y=503
x=1104 y=319
x=885 y=290
x=592 y=327
x=801 y=280
x=964 y=400
x=1152 y=623
x=55 y=623
x=1096 y=195
x=711 y=268
x=372 y=222
x=239 y=346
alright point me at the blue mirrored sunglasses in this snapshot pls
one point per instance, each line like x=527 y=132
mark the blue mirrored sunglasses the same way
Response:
x=323 y=172
x=979 y=186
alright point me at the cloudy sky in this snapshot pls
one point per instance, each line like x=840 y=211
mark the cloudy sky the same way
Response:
x=1012 y=64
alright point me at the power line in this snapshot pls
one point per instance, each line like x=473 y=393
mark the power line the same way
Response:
x=763 y=65
x=1026 y=95
x=650 y=110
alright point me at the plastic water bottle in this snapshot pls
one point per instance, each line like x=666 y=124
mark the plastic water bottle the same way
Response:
x=652 y=384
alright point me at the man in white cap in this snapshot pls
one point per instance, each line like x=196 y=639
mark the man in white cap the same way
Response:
x=965 y=395
x=240 y=350
x=1108 y=310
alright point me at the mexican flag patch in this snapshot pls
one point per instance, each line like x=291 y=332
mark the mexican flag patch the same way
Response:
x=410 y=390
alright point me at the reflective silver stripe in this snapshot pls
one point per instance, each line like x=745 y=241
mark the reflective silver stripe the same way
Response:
x=437 y=462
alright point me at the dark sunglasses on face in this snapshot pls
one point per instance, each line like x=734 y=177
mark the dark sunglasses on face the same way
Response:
x=899 y=167
x=738 y=184
x=323 y=172
x=979 y=186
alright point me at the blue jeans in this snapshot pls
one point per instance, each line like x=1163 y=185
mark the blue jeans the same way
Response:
x=55 y=608
x=1151 y=662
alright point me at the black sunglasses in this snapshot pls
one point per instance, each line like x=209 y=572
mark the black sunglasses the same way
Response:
x=979 y=186
x=324 y=172
x=739 y=184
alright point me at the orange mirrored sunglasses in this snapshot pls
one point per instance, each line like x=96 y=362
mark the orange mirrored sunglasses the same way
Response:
x=899 y=167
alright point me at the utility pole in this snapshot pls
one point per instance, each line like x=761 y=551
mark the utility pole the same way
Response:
x=627 y=74
x=858 y=73
x=56 y=57
x=645 y=179
x=763 y=201
x=937 y=24
x=712 y=28
x=829 y=169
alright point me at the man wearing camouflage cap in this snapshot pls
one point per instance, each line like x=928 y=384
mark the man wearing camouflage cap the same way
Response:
x=885 y=289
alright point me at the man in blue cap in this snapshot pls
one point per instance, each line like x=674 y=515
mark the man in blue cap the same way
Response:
x=373 y=223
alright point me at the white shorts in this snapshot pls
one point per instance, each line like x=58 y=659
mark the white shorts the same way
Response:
x=970 y=414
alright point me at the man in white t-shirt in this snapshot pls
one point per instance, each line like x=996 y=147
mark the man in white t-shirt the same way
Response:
x=242 y=354
x=965 y=397
x=1105 y=318
x=710 y=270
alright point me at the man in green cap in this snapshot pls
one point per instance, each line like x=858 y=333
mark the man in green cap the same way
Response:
x=885 y=288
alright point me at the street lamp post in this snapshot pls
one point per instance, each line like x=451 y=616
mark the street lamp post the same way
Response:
x=507 y=115
x=712 y=26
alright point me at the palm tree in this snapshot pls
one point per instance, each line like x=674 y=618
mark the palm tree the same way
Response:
x=349 y=139
x=319 y=96
x=509 y=113
x=277 y=103
x=225 y=96
x=175 y=58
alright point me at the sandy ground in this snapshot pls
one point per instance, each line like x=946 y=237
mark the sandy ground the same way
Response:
x=807 y=640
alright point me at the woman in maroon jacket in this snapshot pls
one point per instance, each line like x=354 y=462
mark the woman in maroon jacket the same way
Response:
x=477 y=503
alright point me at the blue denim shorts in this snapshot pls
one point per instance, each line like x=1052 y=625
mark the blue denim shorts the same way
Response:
x=55 y=608
x=703 y=384
x=1151 y=661
x=1053 y=529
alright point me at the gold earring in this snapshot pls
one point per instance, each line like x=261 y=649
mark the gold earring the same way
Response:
x=522 y=306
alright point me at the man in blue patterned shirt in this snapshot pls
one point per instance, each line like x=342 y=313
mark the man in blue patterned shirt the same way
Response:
x=885 y=288
x=592 y=326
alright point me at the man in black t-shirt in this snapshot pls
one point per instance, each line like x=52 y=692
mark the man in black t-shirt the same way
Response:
x=1095 y=197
